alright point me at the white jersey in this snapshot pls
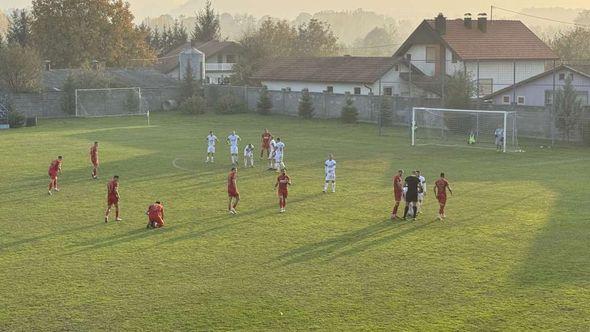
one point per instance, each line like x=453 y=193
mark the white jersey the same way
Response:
x=330 y=169
x=423 y=183
x=279 y=148
x=249 y=151
x=233 y=142
x=211 y=140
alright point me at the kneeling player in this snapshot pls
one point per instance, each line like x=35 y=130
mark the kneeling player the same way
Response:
x=155 y=213
x=440 y=191
x=232 y=190
x=283 y=183
x=112 y=198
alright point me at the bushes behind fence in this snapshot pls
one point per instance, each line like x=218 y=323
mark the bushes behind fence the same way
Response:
x=230 y=104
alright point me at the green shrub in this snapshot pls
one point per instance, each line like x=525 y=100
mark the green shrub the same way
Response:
x=349 y=112
x=264 y=105
x=230 y=104
x=193 y=106
x=386 y=111
x=305 y=108
x=15 y=119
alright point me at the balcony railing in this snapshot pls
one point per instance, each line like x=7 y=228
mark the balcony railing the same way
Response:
x=219 y=66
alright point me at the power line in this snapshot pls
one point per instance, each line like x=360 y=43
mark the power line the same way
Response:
x=542 y=18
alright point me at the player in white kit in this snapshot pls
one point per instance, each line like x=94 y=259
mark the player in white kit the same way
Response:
x=211 y=141
x=421 y=191
x=330 y=170
x=279 y=154
x=271 y=155
x=249 y=156
x=233 y=140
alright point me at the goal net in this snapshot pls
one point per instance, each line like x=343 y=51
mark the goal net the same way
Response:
x=473 y=128
x=110 y=102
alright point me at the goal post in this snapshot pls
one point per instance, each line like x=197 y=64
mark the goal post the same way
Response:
x=107 y=102
x=493 y=129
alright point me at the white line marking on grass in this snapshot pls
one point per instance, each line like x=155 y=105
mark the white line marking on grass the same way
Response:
x=179 y=167
x=554 y=162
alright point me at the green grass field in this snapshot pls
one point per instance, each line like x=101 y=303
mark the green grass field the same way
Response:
x=512 y=255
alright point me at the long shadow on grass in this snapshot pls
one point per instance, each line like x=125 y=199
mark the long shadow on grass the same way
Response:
x=46 y=236
x=351 y=243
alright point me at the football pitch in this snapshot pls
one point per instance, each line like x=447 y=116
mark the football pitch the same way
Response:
x=513 y=253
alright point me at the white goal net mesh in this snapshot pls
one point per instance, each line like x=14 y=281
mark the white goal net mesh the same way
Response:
x=470 y=128
x=109 y=102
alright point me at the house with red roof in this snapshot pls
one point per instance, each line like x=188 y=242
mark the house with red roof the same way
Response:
x=496 y=53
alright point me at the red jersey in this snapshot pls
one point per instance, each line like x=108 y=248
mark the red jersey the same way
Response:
x=397 y=184
x=94 y=153
x=266 y=137
x=441 y=187
x=231 y=181
x=113 y=188
x=55 y=166
x=156 y=210
x=283 y=181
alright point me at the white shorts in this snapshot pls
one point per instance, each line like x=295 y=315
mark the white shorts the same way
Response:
x=331 y=177
x=420 y=197
x=271 y=155
x=233 y=149
x=211 y=149
x=248 y=154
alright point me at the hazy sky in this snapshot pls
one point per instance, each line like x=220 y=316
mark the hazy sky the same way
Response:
x=278 y=8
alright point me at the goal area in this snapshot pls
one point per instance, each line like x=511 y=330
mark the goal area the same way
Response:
x=110 y=102
x=489 y=129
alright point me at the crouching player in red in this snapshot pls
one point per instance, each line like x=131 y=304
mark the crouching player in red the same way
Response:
x=112 y=198
x=232 y=190
x=283 y=183
x=54 y=170
x=440 y=191
x=155 y=213
x=398 y=191
x=94 y=160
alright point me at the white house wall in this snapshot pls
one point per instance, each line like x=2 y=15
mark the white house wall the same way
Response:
x=314 y=86
x=452 y=68
x=502 y=72
x=418 y=53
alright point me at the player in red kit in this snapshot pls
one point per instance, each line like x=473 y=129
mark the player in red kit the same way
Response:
x=283 y=183
x=265 y=146
x=440 y=191
x=112 y=198
x=398 y=191
x=54 y=170
x=155 y=213
x=94 y=160
x=232 y=190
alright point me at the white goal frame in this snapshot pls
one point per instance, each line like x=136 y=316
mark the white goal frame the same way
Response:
x=140 y=103
x=504 y=114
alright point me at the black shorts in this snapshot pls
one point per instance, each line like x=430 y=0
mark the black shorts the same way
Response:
x=411 y=197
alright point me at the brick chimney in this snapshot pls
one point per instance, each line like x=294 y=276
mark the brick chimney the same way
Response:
x=467 y=20
x=440 y=24
x=482 y=22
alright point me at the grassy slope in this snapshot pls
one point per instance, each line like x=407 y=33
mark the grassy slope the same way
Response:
x=513 y=255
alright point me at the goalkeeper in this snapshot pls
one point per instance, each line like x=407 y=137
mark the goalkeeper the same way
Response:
x=471 y=138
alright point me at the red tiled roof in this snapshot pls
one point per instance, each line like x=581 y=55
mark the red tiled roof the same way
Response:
x=343 y=69
x=504 y=39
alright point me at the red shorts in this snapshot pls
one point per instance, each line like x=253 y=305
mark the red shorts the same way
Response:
x=112 y=199
x=265 y=146
x=442 y=199
x=233 y=193
x=53 y=175
x=284 y=193
x=398 y=195
x=94 y=162
x=157 y=220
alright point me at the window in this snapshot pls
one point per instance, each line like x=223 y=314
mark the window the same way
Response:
x=506 y=99
x=562 y=76
x=330 y=89
x=430 y=54
x=485 y=86
x=219 y=58
x=230 y=58
x=357 y=91
x=388 y=91
x=396 y=68
x=453 y=58
x=520 y=100
x=409 y=57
